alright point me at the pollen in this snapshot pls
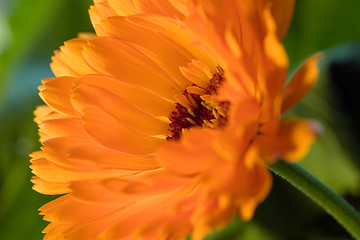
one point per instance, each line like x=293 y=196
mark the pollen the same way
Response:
x=196 y=107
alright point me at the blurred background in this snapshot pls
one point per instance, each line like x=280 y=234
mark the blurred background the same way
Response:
x=31 y=30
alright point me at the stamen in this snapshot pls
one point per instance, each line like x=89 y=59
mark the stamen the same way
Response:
x=191 y=121
x=196 y=90
x=197 y=107
x=208 y=124
x=192 y=101
x=183 y=100
x=215 y=113
x=191 y=112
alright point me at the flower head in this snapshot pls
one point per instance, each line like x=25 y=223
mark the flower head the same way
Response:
x=161 y=124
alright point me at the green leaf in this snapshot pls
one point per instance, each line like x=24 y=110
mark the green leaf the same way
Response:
x=24 y=24
x=239 y=230
x=321 y=24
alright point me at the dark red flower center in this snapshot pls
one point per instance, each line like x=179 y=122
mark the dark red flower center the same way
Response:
x=202 y=112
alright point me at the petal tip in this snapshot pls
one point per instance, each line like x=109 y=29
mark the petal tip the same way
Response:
x=316 y=128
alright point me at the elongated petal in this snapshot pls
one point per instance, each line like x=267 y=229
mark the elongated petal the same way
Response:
x=198 y=156
x=163 y=7
x=107 y=159
x=61 y=127
x=49 y=188
x=295 y=138
x=83 y=155
x=170 y=29
x=107 y=130
x=139 y=97
x=301 y=83
x=123 y=7
x=282 y=11
x=85 y=96
x=44 y=112
x=115 y=57
x=56 y=94
x=76 y=211
x=124 y=190
x=52 y=173
x=99 y=12
x=69 y=61
x=162 y=50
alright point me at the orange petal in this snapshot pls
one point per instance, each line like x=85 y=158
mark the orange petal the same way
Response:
x=166 y=52
x=111 y=56
x=44 y=112
x=282 y=10
x=69 y=60
x=195 y=75
x=145 y=217
x=67 y=210
x=301 y=83
x=135 y=95
x=99 y=12
x=192 y=155
x=109 y=221
x=56 y=94
x=260 y=180
x=107 y=159
x=123 y=7
x=55 y=231
x=272 y=46
x=61 y=127
x=129 y=7
x=59 y=68
x=89 y=159
x=60 y=177
x=160 y=7
x=128 y=115
x=56 y=151
x=125 y=190
x=100 y=192
x=296 y=137
x=108 y=131
x=242 y=127
x=49 y=188
x=170 y=29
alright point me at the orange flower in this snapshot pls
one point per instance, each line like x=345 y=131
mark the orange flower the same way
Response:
x=161 y=124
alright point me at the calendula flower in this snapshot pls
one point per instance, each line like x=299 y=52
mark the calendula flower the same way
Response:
x=161 y=124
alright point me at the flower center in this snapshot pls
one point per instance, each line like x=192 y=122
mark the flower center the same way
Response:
x=197 y=107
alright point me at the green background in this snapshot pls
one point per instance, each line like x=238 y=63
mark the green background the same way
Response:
x=31 y=30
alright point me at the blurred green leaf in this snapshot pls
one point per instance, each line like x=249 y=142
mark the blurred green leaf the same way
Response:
x=321 y=24
x=238 y=230
x=26 y=22
x=36 y=28
x=5 y=33
x=18 y=216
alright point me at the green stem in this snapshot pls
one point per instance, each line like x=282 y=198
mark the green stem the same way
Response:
x=334 y=204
